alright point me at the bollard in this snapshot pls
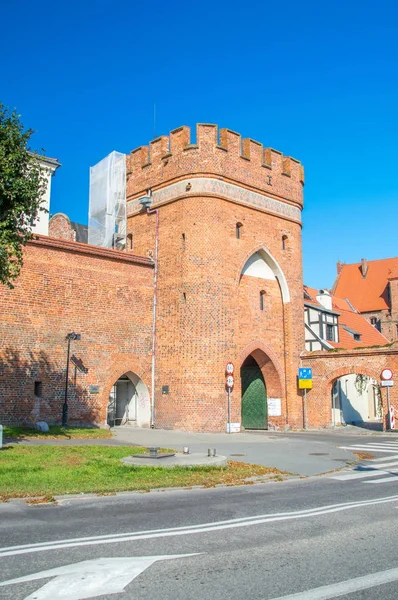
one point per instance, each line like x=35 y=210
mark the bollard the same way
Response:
x=211 y=452
x=1 y=436
x=185 y=450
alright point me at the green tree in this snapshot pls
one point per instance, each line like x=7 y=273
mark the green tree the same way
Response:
x=22 y=185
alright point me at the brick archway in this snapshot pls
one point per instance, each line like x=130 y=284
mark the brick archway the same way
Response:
x=329 y=366
x=269 y=365
x=348 y=370
x=121 y=366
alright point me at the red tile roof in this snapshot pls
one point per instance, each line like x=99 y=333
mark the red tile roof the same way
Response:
x=366 y=293
x=350 y=318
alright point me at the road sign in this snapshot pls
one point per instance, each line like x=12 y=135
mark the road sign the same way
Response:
x=386 y=374
x=230 y=382
x=305 y=384
x=230 y=368
x=305 y=373
x=389 y=383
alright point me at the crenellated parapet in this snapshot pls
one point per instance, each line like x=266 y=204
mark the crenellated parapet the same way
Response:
x=222 y=154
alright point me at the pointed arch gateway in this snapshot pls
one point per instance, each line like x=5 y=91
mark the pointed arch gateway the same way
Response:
x=263 y=292
x=261 y=381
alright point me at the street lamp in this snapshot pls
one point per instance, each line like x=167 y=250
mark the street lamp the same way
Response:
x=69 y=337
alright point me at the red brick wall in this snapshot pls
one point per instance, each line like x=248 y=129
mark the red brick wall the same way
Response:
x=328 y=366
x=104 y=295
x=206 y=315
x=60 y=227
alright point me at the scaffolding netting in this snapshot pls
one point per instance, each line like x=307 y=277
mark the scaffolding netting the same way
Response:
x=107 y=202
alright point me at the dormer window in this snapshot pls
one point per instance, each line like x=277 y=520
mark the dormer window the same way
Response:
x=354 y=334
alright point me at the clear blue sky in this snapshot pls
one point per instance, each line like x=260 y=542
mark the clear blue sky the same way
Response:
x=314 y=79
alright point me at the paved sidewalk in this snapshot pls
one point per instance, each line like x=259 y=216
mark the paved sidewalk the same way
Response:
x=302 y=453
x=287 y=452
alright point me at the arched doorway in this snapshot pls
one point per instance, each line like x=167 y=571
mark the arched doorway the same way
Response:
x=254 y=395
x=356 y=399
x=129 y=402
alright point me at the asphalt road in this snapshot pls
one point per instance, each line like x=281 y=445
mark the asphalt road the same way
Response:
x=313 y=538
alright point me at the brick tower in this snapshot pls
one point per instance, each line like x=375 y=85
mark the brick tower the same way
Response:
x=229 y=286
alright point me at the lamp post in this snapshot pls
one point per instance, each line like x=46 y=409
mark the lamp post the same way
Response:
x=69 y=337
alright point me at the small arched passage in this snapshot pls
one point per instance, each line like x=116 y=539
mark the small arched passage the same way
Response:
x=356 y=399
x=129 y=402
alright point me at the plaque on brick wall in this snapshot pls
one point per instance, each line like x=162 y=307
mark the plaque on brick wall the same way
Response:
x=274 y=407
x=94 y=389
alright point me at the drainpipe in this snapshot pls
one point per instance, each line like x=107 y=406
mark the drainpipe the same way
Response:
x=154 y=211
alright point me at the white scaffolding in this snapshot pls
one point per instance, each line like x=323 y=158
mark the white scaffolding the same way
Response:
x=107 y=202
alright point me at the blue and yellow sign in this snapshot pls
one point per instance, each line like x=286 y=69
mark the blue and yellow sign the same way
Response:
x=305 y=373
x=305 y=379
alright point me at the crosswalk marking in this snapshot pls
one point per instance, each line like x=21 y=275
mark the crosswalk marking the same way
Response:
x=370 y=448
x=383 y=479
x=368 y=471
x=376 y=468
x=384 y=458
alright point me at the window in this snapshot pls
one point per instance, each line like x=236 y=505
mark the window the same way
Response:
x=357 y=337
x=262 y=294
x=329 y=332
x=284 y=242
x=38 y=389
x=129 y=241
x=238 y=231
x=376 y=323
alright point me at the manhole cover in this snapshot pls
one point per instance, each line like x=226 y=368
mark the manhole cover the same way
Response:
x=237 y=454
x=318 y=454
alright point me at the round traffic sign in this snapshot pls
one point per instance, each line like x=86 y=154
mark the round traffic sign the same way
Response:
x=230 y=381
x=386 y=374
x=229 y=368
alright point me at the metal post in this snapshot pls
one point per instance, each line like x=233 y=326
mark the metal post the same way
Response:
x=389 y=409
x=65 y=404
x=229 y=410
x=305 y=417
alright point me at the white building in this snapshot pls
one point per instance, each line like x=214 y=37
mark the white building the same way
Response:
x=40 y=224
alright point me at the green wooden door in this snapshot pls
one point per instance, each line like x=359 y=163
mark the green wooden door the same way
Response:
x=254 y=398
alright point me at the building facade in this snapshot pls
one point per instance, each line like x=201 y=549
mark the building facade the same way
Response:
x=211 y=274
x=372 y=288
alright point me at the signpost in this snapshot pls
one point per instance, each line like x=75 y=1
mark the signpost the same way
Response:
x=229 y=370
x=386 y=381
x=305 y=383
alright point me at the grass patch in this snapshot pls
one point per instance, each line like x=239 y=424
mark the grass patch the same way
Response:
x=56 y=470
x=56 y=432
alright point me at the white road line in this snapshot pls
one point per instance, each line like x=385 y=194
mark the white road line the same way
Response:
x=384 y=479
x=380 y=465
x=367 y=448
x=194 y=529
x=376 y=445
x=345 y=587
x=363 y=475
x=384 y=458
x=369 y=470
